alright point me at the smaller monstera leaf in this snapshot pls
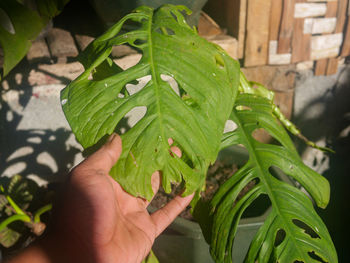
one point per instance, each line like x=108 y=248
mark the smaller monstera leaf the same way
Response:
x=193 y=114
x=293 y=232
x=22 y=190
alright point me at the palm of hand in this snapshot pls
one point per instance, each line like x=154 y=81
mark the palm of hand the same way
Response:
x=106 y=224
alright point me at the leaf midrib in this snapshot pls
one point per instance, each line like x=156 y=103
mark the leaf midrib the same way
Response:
x=264 y=181
x=154 y=76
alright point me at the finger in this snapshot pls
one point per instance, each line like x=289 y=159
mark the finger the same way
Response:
x=155 y=181
x=176 y=150
x=104 y=158
x=165 y=215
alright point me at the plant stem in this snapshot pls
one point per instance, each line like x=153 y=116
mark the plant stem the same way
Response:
x=24 y=218
x=41 y=210
x=17 y=209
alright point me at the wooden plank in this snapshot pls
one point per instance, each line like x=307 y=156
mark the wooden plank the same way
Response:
x=303 y=10
x=326 y=46
x=277 y=59
x=321 y=67
x=305 y=65
x=332 y=8
x=257 y=37
x=275 y=19
x=230 y=14
x=286 y=29
x=346 y=43
x=301 y=43
x=341 y=15
x=332 y=66
x=319 y=25
x=207 y=26
x=330 y=1
x=228 y=43
x=241 y=26
x=332 y=63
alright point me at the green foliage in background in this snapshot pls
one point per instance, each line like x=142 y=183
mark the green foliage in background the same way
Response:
x=19 y=25
x=292 y=223
x=211 y=90
x=21 y=206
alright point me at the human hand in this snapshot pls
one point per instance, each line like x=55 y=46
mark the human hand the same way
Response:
x=97 y=221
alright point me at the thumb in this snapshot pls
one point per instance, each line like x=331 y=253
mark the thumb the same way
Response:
x=104 y=158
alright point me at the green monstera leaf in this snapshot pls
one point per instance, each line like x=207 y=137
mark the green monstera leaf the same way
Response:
x=292 y=232
x=193 y=114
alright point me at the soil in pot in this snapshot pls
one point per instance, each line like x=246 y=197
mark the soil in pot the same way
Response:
x=218 y=173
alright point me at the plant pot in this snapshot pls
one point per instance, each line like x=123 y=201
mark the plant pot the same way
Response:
x=110 y=11
x=183 y=240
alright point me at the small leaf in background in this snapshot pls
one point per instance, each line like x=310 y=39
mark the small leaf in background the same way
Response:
x=26 y=23
x=20 y=25
x=22 y=190
x=8 y=237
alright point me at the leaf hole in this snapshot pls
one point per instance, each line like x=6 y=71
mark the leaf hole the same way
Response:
x=165 y=31
x=142 y=82
x=128 y=61
x=169 y=31
x=313 y=255
x=280 y=236
x=243 y=108
x=174 y=16
x=172 y=83
x=230 y=126
x=261 y=135
x=307 y=229
x=6 y=23
x=219 y=61
x=258 y=207
x=135 y=115
x=139 y=43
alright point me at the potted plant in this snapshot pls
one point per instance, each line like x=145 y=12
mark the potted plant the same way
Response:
x=23 y=208
x=210 y=91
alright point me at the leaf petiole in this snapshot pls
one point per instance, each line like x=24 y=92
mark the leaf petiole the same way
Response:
x=41 y=211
